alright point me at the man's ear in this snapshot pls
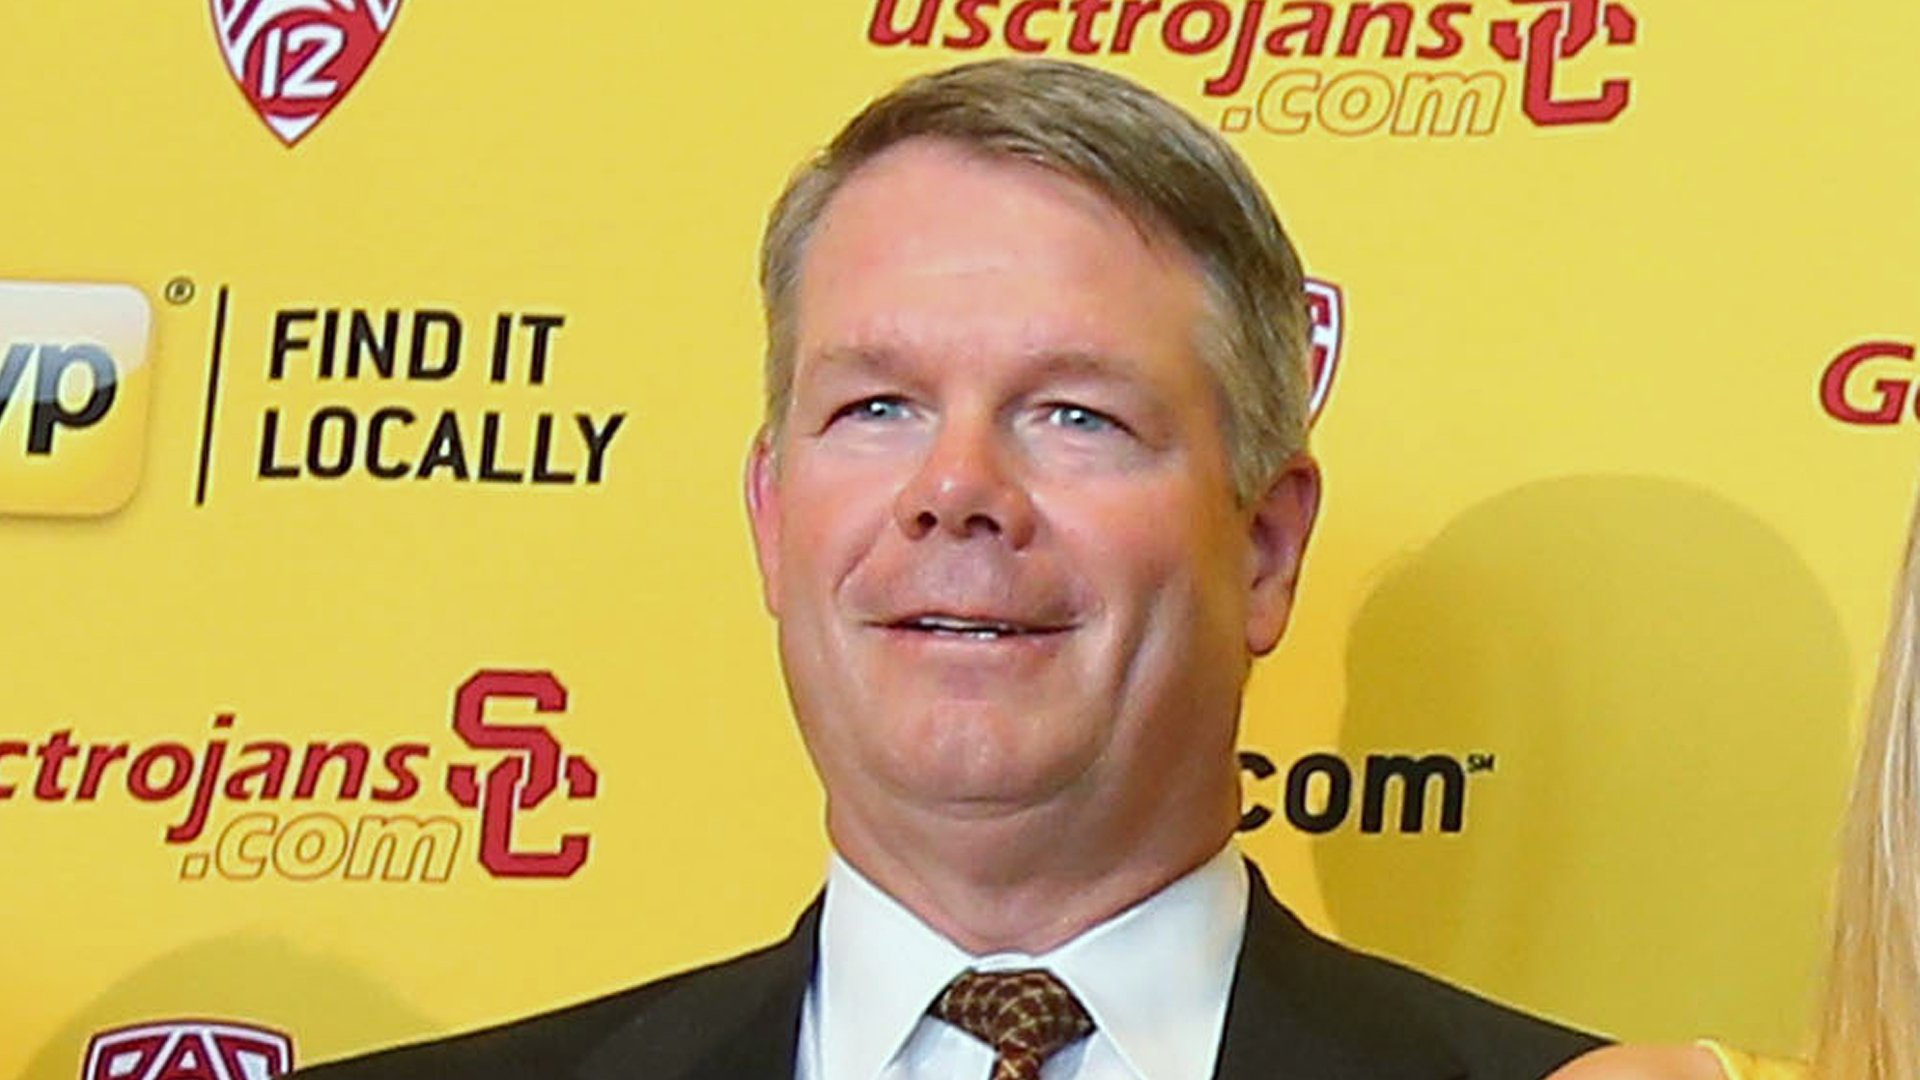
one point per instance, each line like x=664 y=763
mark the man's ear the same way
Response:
x=762 y=484
x=1283 y=517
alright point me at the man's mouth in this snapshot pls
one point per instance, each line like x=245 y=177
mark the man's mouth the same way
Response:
x=971 y=628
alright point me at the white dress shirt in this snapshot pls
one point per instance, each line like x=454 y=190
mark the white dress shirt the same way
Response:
x=1155 y=979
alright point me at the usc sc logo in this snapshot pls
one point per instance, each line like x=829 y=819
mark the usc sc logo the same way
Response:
x=74 y=383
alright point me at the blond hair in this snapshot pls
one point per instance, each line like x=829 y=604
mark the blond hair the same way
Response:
x=1870 y=1021
x=1173 y=176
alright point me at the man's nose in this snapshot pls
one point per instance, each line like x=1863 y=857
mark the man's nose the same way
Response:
x=967 y=486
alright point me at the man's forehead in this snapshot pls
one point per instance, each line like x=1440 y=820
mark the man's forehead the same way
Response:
x=926 y=196
x=912 y=159
x=933 y=228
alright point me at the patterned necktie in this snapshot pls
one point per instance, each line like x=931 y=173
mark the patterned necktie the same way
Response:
x=1024 y=1015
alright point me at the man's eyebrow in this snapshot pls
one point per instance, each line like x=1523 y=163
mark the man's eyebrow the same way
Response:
x=1089 y=363
x=1092 y=363
x=860 y=356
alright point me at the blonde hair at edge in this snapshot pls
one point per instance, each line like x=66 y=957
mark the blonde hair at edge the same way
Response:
x=1870 y=1024
x=1175 y=178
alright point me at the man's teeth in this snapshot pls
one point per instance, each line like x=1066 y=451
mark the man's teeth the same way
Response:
x=979 y=630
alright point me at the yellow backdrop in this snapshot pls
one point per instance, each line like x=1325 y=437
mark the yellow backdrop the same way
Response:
x=421 y=679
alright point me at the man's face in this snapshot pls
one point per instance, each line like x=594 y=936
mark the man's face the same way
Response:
x=998 y=529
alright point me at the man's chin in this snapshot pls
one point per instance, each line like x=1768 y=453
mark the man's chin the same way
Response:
x=985 y=782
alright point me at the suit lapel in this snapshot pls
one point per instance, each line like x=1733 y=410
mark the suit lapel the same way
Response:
x=739 y=1021
x=1297 y=1011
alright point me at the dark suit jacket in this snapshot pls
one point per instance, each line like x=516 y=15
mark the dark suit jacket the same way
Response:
x=1302 y=1008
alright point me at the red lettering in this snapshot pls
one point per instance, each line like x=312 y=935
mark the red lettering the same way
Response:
x=532 y=740
x=1131 y=12
x=1892 y=392
x=7 y=750
x=140 y=774
x=53 y=755
x=1017 y=36
x=1552 y=37
x=99 y=756
x=271 y=772
x=1316 y=26
x=1173 y=30
x=1359 y=16
x=1441 y=21
x=882 y=31
x=1235 y=75
x=190 y=826
x=1081 y=40
x=352 y=757
x=537 y=763
x=977 y=33
x=497 y=853
x=406 y=783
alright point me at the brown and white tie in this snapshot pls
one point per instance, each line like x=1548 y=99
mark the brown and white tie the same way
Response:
x=1026 y=1016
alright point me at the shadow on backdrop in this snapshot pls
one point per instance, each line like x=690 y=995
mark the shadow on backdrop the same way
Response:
x=328 y=1007
x=1663 y=687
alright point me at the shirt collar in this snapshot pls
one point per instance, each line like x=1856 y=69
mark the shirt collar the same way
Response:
x=879 y=969
x=1155 y=978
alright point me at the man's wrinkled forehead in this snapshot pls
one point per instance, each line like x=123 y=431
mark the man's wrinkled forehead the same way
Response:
x=930 y=218
x=875 y=186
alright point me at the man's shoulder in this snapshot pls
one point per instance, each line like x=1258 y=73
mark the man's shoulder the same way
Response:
x=1479 y=1027
x=566 y=1042
x=1372 y=1006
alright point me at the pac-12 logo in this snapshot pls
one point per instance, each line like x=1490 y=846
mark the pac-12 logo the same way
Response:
x=74 y=383
x=296 y=59
x=188 y=1050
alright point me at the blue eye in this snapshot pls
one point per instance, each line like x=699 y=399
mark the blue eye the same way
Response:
x=1080 y=418
x=883 y=407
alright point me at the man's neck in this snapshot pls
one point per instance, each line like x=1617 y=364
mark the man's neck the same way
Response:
x=1028 y=879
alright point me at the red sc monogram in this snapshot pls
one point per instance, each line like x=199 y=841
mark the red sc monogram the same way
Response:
x=523 y=779
x=1555 y=35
